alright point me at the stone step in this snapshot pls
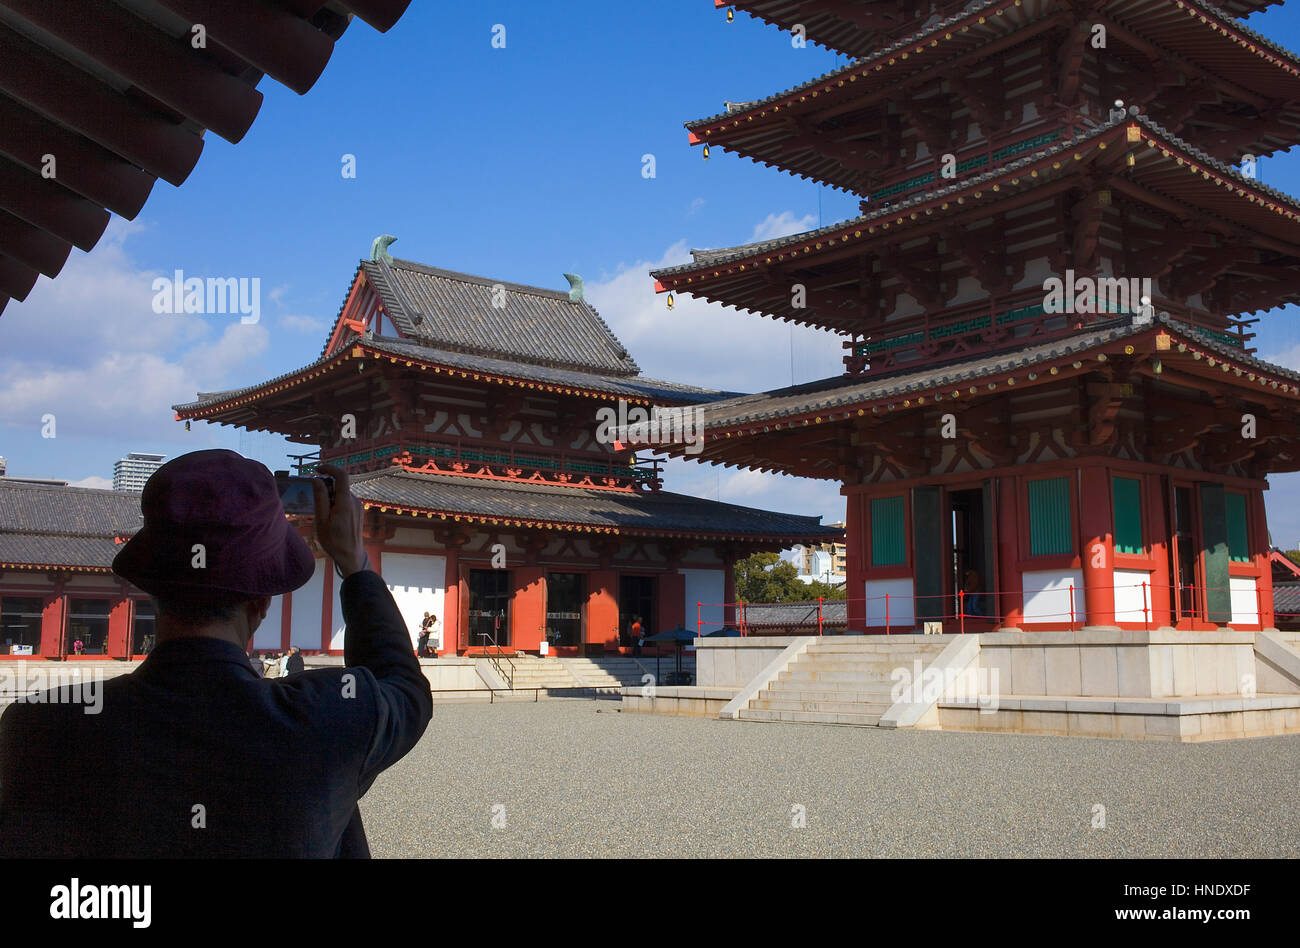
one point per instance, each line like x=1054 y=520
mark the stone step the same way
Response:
x=803 y=674
x=804 y=694
x=810 y=717
x=850 y=707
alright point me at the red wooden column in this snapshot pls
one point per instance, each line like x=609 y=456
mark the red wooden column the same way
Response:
x=1010 y=595
x=53 y=616
x=527 y=608
x=452 y=630
x=1097 y=545
x=118 y=644
x=602 y=609
x=1258 y=533
x=855 y=543
x=1159 y=533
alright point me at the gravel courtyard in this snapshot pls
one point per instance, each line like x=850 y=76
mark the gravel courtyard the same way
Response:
x=578 y=778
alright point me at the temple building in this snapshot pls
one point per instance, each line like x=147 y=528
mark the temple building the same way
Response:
x=468 y=413
x=1051 y=414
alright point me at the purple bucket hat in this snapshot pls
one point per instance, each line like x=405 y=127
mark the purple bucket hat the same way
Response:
x=230 y=506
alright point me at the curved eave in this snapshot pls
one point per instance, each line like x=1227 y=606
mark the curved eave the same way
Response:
x=122 y=94
x=357 y=349
x=65 y=567
x=930 y=43
x=925 y=50
x=692 y=279
x=1188 y=351
x=446 y=516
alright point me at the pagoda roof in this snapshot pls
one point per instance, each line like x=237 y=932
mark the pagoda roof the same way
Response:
x=794 y=416
x=47 y=526
x=452 y=311
x=828 y=24
x=123 y=97
x=238 y=406
x=766 y=131
x=598 y=511
x=833 y=394
x=1169 y=165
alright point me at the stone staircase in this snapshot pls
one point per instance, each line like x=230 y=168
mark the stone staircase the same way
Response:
x=620 y=671
x=840 y=680
x=548 y=673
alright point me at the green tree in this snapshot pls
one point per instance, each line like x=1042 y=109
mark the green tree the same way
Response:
x=765 y=577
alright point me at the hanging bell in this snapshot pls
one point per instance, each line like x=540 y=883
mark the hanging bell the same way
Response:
x=670 y=301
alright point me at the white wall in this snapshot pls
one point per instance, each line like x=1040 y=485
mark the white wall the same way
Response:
x=1047 y=596
x=305 y=616
x=902 y=607
x=417 y=582
x=1129 y=595
x=1245 y=602
x=337 y=625
x=706 y=586
x=267 y=635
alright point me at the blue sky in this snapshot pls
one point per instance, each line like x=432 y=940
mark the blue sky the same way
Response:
x=521 y=164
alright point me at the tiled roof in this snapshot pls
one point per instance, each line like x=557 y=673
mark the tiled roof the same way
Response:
x=651 y=512
x=703 y=258
x=834 y=614
x=454 y=311
x=943 y=26
x=123 y=94
x=74 y=511
x=1286 y=601
x=842 y=391
x=64 y=526
x=633 y=386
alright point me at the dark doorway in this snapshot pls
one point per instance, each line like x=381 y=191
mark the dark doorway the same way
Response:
x=144 y=628
x=1187 y=602
x=489 y=606
x=636 y=600
x=565 y=593
x=971 y=569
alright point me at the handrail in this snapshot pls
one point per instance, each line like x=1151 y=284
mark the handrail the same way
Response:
x=495 y=659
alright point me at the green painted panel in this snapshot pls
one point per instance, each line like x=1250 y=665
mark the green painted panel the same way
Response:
x=1238 y=537
x=887 y=537
x=1214 y=534
x=1127 y=496
x=927 y=553
x=1051 y=529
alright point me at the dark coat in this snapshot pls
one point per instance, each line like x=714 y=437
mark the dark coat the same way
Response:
x=294 y=663
x=277 y=765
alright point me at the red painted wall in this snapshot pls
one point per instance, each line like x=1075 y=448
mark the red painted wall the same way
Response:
x=527 y=608
x=119 y=629
x=52 y=618
x=602 y=608
x=671 y=604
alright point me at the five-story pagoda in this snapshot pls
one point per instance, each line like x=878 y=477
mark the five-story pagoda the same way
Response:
x=1051 y=414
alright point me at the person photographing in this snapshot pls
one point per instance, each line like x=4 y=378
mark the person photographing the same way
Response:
x=192 y=754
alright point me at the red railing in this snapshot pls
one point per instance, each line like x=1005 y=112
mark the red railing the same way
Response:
x=889 y=616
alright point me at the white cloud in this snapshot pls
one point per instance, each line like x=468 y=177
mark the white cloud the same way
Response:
x=307 y=324
x=782 y=225
x=89 y=349
x=93 y=483
x=706 y=344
